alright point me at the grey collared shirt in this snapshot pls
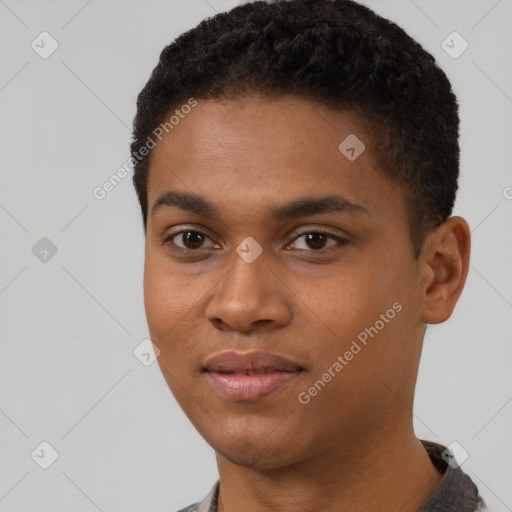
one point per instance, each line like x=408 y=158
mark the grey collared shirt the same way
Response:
x=456 y=492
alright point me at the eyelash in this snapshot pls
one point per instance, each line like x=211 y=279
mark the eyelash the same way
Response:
x=341 y=241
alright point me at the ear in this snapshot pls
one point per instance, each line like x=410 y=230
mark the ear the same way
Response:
x=445 y=256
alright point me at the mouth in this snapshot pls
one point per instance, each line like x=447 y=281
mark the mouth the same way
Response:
x=249 y=376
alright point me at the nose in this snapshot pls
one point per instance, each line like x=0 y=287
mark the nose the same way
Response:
x=249 y=297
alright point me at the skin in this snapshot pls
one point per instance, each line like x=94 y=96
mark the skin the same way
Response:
x=352 y=447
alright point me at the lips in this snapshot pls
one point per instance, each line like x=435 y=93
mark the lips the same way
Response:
x=252 y=363
x=249 y=376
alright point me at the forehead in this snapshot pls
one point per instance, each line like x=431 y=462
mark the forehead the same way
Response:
x=249 y=152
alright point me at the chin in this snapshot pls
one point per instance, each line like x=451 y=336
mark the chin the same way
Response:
x=248 y=455
x=254 y=454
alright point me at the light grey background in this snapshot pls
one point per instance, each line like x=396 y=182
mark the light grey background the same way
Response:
x=69 y=325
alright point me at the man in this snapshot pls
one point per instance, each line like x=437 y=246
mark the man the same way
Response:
x=296 y=165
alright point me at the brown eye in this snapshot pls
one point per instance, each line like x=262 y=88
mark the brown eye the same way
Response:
x=190 y=239
x=317 y=240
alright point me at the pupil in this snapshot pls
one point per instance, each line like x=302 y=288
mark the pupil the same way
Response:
x=189 y=239
x=310 y=237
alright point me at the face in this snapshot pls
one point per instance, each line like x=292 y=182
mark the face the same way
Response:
x=280 y=284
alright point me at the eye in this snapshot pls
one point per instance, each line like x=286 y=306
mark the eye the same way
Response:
x=190 y=239
x=317 y=240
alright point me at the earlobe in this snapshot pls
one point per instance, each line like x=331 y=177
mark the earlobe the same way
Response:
x=447 y=260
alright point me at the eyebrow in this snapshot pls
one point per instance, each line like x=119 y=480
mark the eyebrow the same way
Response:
x=292 y=209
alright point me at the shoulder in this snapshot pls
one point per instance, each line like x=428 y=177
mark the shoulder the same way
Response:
x=456 y=491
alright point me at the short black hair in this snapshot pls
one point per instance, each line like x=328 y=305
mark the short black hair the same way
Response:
x=337 y=53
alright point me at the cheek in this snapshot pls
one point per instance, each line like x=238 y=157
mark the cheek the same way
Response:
x=357 y=313
x=171 y=331
x=175 y=316
x=168 y=297
x=346 y=300
x=167 y=308
x=157 y=296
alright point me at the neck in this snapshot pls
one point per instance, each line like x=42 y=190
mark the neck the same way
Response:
x=389 y=470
